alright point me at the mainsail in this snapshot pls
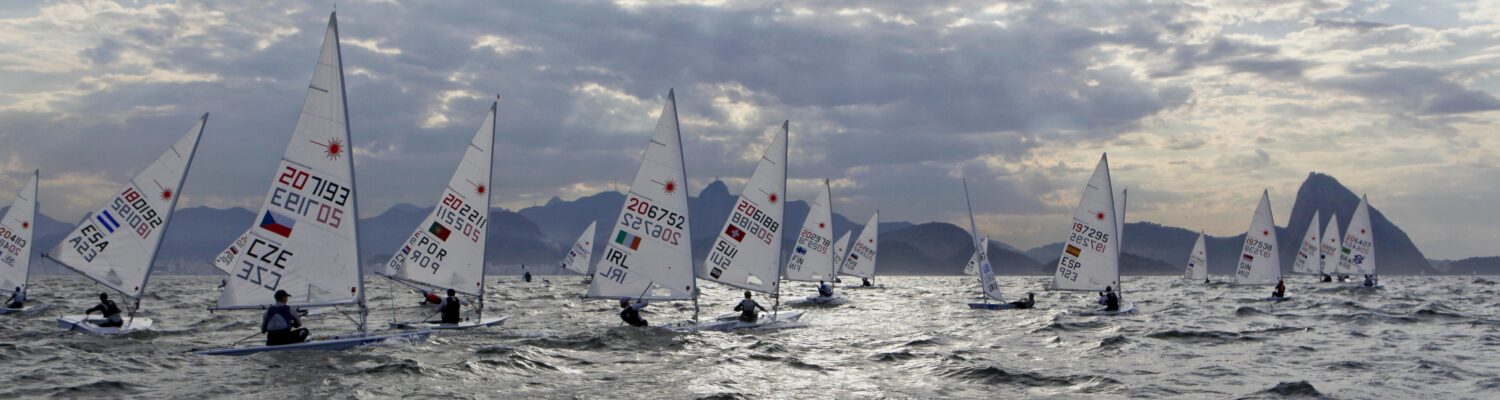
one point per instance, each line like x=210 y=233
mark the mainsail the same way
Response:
x=303 y=240
x=1260 y=262
x=813 y=256
x=840 y=248
x=1306 y=263
x=860 y=261
x=747 y=252
x=1329 y=249
x=577 y=259
x=16 y=231
x=1357 y=255
x=447 y=249
x=1090 y=258
x=1197 y=264
x=117 y=246
x=980 y=261
x=649 y=253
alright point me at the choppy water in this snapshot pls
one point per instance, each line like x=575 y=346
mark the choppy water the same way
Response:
x=1421 y=337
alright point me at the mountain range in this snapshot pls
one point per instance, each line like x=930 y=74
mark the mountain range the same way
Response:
x=538 y=237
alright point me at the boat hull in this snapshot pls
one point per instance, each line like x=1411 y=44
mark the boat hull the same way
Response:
x=781 y=321
x=1128 y=308
x=337 y=344
x=437 y=326
x=993 y=306
x=85 y=324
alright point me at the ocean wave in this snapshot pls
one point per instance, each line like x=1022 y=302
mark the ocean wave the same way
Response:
x=991 y=375
x=1202 y=337
x=1298 y=389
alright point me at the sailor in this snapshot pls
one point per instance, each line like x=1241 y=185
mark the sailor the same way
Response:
x=1280 y=289
x=1030 y=302
x=526 y=275
x=866 y=282
x=631 y=314
x=1369 y=280
x=17 y=299
x=1327 y=278
x=1205 y=281
x=431 y=298
x=109 y=309
x=747 y=309
x=1109 y=299
x=450 y=308
x=280 y=324
x=824 y=290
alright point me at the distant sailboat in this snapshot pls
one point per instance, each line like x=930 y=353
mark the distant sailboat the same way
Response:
x=1197 y=263
x=860 y=260
x=1357 y=255
x=1260 y=261
x=117 y=247
x=1305 y=263
x=1328 y=249
x=580 y=254
x=447 y=250
x=813 y=257
x=649 y=254
x=981 y=262
x=305 y=238
x=1090 y=260
x=840 y=248
x=16 y=232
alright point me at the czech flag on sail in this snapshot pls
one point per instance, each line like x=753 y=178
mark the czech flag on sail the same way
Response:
x=735 y=233
x=628 y=240
x=437 y=229
x=107 y=220
x=277 y=224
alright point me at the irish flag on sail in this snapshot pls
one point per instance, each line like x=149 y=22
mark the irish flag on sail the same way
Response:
x=649 y=254
x=16 y=231
x=1307 y=253
x=303 y=239
x=577 y=259
x=1090 y=260
x=860 y=261
x=117 y=245
x=447 y=249
x=1357 y=255
x=748 y=249
x=812 y=256
x=1260 y=262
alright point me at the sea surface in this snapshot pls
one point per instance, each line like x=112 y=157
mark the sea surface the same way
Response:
x=1419 y=338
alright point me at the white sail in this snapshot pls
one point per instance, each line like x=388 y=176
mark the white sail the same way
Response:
x=1120 y=220
x=447 y=249
x=303 y=240
x=1357 y=255
x=117 y=245
x=649 y=253
x=1197 y=264
x=1306 y=261
x=860 y=261
x=840 y=248
x=16 y=231
x=987 y=280
x=747 y=252
x=1328 y=250
x=577 y=259
x=1090 y=258
x=972 y=267
x=1260 y=262
x=813 y=256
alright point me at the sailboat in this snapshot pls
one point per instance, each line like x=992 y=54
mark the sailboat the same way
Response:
x=579 y=256
x=1090 y=260
x=860 y=260
x=15 y=245
x=813 y=257
x=304 y=239
x=981 y=261
x=1357 y=255
x=649 y=254
x=1197 y=263
x=117 y=246
x=840 y=248
x=447 y=250
x=1260 y=262
x=1305 y=263
x=1328 y=249
x=747 y=252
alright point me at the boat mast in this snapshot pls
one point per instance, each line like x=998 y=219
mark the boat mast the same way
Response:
x=1120 y=243
x=359 y=265
x=490 y=165
x=974 y=229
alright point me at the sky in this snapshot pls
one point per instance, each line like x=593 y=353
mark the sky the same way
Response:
x=1200 y=105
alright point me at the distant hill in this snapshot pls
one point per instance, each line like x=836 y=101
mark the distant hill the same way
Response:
x=1471 y=266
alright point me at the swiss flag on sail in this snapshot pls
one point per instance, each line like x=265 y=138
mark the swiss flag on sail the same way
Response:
x=735 y=233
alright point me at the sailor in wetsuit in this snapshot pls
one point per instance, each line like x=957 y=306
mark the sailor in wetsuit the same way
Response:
x=747 y=309
x=1280 y=289
x=1030 y=302
x=450 y=308
x=866 y=282
x=109 y=309
x=280 y=324
x=17 y=299
x=1109 y=299
x=824 y=290
x=630 y=314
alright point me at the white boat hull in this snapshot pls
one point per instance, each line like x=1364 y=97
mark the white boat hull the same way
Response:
x=721 y=324
x=22 y=310
x=85 y=324
x=835 y=299
x=335 y=344
x=1128 y=308
x=435 y=325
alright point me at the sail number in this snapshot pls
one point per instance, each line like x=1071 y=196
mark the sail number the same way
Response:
x=455 y=212
x=648 y=210
x=263 y=263
x=755 y=221
x=1089 y=238
x=136 y=211
x=1069 y=267
x=89 y=242
x=303 y=191
x=651 y=228
x=11 y=242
